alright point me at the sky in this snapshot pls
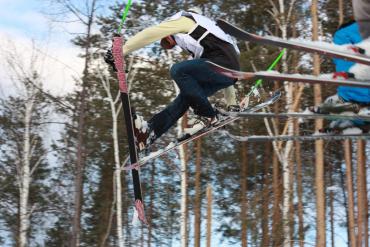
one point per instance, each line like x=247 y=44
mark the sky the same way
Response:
x=23 y=25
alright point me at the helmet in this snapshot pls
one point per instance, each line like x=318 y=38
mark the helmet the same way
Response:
x=195 y=10
x=168 y=42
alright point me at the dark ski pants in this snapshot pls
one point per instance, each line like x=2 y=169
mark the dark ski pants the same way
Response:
x=196 y=81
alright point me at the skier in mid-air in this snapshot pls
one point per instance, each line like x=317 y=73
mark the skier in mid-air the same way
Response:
x=205 y=41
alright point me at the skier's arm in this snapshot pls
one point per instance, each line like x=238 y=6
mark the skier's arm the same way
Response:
x=230 y=96
x=152 y=34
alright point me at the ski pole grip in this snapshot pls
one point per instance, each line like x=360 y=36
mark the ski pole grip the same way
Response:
x=119 y=63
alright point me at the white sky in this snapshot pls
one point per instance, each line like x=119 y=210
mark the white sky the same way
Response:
x=22 y=25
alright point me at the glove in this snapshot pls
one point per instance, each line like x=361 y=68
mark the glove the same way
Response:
x=108 y=58
x=343 y=75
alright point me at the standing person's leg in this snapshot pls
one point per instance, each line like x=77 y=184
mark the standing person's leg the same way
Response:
x=361 y=9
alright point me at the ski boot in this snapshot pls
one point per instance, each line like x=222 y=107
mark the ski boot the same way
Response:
x=200 y=123
x=364 y=111
x=339 y=131
x=335 y=104
x=144 y=135
x=346 y=127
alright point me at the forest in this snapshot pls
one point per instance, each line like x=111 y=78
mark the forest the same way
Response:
x=62 y=182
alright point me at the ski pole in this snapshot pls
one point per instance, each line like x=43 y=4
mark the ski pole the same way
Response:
x=127 y=8
x=259 y=81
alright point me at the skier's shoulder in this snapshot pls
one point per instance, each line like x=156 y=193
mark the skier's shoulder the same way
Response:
x=347 y=25
x=348 y=28
x=347 y=33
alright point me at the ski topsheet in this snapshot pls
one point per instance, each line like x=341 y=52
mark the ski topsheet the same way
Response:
x=327 y=49
x=302 y=115
x=273 y=75
x=201 y=133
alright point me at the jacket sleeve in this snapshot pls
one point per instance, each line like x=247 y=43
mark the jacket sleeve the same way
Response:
x=361 y=9
x=155 y=33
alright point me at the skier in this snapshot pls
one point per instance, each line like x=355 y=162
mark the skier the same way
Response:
x=347 y=98
x=204 y=40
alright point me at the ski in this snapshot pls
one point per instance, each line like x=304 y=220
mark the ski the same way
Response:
x=200 y=133
x=273 y=75
x=333 y=137
x=120 y=66
x=302 y=115
x=327 y=49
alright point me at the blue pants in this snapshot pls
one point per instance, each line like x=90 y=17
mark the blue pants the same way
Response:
x=196 y=81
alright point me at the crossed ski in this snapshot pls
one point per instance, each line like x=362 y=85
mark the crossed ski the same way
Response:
x=201 y=133
x=327 y=49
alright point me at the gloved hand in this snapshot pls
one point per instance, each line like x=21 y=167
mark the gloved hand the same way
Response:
x=108 y=58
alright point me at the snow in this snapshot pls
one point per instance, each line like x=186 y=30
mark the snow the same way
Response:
x=365 y=44
x=333 y=188
x=307 y=111
x=326 y=45
x=156 y=153
x=352 y=131
x=361 y=71
x=141 y=124
x=271 y=72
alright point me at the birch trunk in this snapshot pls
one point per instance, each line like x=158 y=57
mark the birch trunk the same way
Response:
x=25 y=173
x=299 y=187
x=277 y=191
x=184 y=184
x=243 y=193
x=198 y=194
x=209 y=215
x=117 y=164
x=113 y=102
x=288 y=87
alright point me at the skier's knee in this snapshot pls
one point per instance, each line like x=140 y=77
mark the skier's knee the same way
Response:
x=176 y=70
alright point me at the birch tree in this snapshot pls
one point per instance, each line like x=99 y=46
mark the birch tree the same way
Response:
x=282 y=14
x=85 y=13
x=22 y=120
